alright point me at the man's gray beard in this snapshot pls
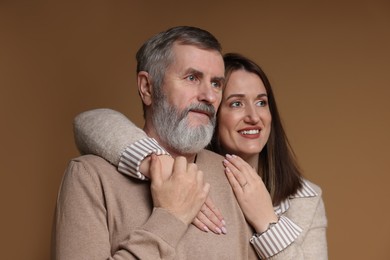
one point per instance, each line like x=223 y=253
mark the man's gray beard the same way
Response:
x=173 y=127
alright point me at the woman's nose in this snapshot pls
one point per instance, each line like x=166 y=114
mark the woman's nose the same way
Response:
x=252 y=115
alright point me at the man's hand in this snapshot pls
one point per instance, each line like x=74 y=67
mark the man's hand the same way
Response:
x=183 y=193
x=209 y=218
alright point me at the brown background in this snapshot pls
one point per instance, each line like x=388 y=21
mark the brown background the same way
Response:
x=328 y=61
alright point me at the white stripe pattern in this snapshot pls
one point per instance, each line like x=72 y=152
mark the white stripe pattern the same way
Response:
x=133 y=155
x=306 y=191
x=281 y=235
x=277 y=238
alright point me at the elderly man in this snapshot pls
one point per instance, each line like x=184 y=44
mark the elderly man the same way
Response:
x=103 y=214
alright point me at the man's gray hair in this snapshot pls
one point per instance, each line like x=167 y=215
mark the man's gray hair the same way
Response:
x=156 y=55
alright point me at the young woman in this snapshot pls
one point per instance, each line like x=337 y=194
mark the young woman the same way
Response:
x=285 y=210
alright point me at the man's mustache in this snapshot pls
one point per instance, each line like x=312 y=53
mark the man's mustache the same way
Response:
x=202 y=108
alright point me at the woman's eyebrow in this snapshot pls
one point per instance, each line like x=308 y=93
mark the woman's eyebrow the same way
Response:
x=243 y=95
x=235 y=95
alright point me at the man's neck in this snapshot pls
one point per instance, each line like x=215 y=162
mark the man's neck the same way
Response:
x=152 y=133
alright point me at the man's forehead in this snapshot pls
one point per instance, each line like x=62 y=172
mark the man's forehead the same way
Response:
x=180 y=49
x=191 y=57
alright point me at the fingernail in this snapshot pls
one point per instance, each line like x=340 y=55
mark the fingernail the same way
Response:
x=225 y=161
x=228 y=156
x=223 y=222
x=224 y=230
x=206 y=229
x=218 y=230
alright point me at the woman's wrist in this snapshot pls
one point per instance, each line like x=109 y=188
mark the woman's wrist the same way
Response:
x=266 y=225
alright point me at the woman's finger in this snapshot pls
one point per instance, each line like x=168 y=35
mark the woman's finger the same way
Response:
x=215 y=212
x=203 y=222
x=200 y=225
x=236 y=186
x=241 y=177
x=204 y=217
x=242 y=166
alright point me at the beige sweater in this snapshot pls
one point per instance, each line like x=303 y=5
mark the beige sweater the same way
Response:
x=102 y=214
x=98 y=128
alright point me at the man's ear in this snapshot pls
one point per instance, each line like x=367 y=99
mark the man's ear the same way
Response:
x=144 y=87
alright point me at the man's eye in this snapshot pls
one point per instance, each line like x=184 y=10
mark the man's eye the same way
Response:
x=216 y=84
x=191 y=77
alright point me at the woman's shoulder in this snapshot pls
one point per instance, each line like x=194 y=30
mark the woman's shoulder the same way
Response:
x=310 y=187
x=306 y=200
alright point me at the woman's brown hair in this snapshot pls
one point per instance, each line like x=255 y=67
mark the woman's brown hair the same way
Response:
x=278 y=166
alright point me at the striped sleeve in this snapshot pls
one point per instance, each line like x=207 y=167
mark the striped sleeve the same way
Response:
x=276 y=239
x=134 y=154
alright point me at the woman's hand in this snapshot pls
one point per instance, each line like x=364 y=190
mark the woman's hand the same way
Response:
x=210 y=218
x=251 y=193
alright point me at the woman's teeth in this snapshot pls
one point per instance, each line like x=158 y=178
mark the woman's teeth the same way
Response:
x=250 y=132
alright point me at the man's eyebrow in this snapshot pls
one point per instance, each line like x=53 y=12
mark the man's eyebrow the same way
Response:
x=194 y=71
x=201 y=74
x=219 y=79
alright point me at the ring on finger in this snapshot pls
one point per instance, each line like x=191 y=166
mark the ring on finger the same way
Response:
x=243 y=185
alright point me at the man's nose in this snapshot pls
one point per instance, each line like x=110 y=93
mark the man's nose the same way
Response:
x=208 y=93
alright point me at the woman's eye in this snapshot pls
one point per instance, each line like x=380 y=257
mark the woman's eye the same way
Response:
x=235 y=104
x=261 y=103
